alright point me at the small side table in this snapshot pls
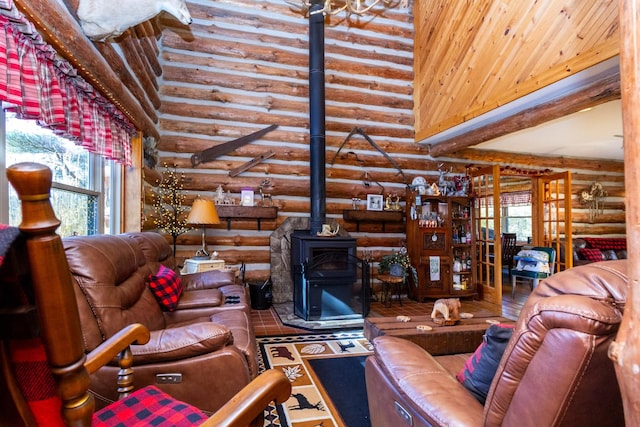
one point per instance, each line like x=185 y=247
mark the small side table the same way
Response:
x=199 y=265
x=389 y=282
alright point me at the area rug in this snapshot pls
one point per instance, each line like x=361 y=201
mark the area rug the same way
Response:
x=327 y=376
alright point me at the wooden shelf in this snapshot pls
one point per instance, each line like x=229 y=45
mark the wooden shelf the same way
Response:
x=359 y=216
x=231 y=212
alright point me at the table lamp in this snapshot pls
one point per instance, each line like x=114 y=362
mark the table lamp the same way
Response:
x=203 y=212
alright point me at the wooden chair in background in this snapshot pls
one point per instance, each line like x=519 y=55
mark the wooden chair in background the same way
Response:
x=509 y=250
x=61 y=336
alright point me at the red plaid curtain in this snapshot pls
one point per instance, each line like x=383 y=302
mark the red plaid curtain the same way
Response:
x=41 y=86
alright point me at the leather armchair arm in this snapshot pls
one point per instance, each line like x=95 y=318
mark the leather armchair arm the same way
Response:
x=182 y=342
x=106 y=352
x=432 y=390
x=249 y=403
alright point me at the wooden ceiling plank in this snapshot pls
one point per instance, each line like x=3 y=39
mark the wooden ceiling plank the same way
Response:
x=584 y=33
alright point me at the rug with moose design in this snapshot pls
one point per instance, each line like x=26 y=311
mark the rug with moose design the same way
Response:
x=327 y=377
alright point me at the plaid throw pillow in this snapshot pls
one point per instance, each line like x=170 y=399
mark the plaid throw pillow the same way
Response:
x=479 y=370
x=166 y=287
x=604 y=243
x=591 y=254
x=148 y=406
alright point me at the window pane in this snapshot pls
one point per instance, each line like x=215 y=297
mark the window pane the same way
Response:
x=518 y=220
x=76 y=211
x=74 y=200
x=28 y=142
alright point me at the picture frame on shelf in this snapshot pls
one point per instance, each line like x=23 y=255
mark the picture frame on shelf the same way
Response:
x=246 y=197
x=375 y=202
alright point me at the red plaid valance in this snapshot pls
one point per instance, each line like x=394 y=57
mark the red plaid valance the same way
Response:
x=41 y=86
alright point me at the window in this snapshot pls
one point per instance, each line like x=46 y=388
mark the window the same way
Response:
x=517 y=219
x=83 y=183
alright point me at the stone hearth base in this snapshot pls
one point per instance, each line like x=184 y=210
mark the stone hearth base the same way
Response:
x=285 y=311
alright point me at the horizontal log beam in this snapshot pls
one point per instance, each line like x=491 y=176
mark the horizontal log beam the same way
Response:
x=60 y=30
x=538 y=162
x=121 y=70
x=604 y=89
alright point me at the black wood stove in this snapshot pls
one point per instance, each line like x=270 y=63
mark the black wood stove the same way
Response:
x=324 y=269
x=329 y=281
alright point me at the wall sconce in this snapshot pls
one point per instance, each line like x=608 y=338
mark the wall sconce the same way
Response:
x=593 y=197
x=203 y=212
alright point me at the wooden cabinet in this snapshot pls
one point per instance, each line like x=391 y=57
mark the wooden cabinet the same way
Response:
x=441 y=244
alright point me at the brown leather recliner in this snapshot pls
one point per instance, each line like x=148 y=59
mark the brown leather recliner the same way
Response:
x=204 y=360
x=554 y=372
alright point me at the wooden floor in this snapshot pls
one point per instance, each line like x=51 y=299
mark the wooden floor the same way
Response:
x=267 y=322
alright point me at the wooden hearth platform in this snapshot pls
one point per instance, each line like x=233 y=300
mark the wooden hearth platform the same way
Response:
x=463 y=337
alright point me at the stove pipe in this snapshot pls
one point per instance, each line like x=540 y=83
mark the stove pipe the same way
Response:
x=316 y=117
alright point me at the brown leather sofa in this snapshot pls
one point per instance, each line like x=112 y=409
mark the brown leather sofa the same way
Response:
x=202 y=354
x=555 y=370
x=595 y=249
x=204 y=293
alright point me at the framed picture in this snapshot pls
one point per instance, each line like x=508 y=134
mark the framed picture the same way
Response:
x=374 y=202
x=246 y=197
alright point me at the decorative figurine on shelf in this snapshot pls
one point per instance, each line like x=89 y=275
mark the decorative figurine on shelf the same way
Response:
x=219 y=199
x=443 y=183
x=327 y=231
x=354 y=203
x=228 y=200
x=265 y=184
x=392 y=203
x=461 y=185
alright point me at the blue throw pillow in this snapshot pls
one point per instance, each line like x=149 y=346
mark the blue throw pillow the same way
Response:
x=481 y=367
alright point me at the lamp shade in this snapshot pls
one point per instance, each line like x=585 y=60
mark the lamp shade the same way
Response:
x=203 y=211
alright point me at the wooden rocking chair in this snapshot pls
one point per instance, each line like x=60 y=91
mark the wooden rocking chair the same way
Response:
x=59 y=331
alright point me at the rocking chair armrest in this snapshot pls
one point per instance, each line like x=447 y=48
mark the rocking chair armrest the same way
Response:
x=106 y=352
x=250 y=402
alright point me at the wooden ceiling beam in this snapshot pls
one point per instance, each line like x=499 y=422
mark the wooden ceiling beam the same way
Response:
x=60 y=30
x=601 y=90
x=538 y=162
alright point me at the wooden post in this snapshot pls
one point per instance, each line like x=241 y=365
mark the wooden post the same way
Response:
x=625 y=351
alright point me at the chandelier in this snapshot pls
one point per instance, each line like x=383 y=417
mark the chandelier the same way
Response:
x=333 y=7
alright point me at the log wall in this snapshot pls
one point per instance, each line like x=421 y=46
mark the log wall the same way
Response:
x=238 y=69
x=242 y=65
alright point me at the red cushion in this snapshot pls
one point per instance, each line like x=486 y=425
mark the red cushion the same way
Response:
x=148 y=406
x=591 y=254
x=166 y=287
x=479 y=369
